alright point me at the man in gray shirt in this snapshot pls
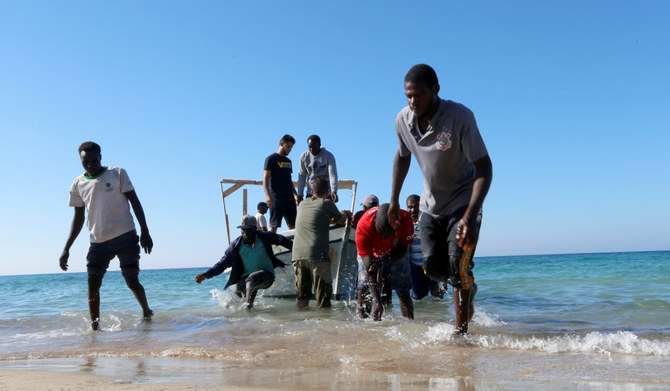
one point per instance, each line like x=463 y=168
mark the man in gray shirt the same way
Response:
x=316 y=162
x=457 y=171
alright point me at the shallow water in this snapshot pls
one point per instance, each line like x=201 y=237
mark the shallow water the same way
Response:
x=582 y=319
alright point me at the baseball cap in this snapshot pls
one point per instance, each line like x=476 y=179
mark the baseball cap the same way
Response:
x=370 y=200
x=248 y=221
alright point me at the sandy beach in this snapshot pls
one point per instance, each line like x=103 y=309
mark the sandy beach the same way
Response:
x=465 y=368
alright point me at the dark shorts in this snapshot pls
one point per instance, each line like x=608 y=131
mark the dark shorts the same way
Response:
x=126 y=247
x=261 y=279
x=283 y=208
x=443 y=259
x=397 y=274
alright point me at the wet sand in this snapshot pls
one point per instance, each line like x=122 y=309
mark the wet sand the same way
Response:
x=466 y=369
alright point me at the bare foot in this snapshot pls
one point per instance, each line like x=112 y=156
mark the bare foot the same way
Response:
x=302 y=303
x=148 y=315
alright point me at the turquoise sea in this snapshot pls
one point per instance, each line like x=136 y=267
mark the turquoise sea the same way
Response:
x=587 y=321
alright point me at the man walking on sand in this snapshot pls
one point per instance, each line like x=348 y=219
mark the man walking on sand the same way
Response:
x=444 y=138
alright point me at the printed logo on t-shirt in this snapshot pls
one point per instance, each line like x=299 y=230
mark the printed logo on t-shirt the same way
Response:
x=109 y=187
x=444 y=140
x=284 y=164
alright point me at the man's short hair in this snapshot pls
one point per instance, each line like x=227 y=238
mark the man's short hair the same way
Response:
x=315 y=138
x=261 y=204
x=320 y=187
x=414 y=198
x=89 y=146
x=287 y=138
x=422 y=73
x=382 y=223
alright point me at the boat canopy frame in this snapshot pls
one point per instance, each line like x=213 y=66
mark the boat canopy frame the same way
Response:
x=347 y=184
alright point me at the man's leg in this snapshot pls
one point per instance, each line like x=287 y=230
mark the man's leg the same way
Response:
x=133 y=282
x=261 y=279
x=97 y=261
x=127 y=248
x=323 y=283
x=464 y=308
x=434 y=239
x=303 y=282
x=364 y=302
x=406 y=304
x=94 y=283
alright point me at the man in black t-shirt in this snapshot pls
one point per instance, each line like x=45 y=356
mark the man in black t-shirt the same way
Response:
x=280 y=194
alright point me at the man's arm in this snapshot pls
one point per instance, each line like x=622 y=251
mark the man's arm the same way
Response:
x=371 y=274
x=332 y=175
x=400 y=169
x=468 y=233
x=302 y=177
x=145 y=238
x=266 y=187
x=75 y=229
x=224 y=263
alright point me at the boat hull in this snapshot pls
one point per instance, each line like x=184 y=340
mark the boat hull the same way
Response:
x=343 y=263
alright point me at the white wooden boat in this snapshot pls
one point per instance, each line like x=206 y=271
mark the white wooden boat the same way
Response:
x=343 y=252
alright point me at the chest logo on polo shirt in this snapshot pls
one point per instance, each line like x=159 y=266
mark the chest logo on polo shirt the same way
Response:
x=108 y=187
x=444 y=140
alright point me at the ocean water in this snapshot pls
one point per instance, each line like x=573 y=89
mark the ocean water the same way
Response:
x=592 y=321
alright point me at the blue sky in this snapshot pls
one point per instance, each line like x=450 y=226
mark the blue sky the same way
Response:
x=572 y=99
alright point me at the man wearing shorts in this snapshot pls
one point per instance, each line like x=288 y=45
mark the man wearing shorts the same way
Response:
x=383 y=251
x=280 y=194
x=105 y=193
x=444 y=138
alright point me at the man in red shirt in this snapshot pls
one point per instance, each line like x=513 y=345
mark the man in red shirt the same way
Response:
x=383 y=251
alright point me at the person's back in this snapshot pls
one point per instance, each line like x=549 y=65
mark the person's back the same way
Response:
x=311 y=256
x=312 y=228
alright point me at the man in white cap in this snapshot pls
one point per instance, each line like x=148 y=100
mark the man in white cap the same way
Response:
x=251 y=260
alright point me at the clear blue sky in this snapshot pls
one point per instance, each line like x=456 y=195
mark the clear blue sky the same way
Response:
x=572 y=99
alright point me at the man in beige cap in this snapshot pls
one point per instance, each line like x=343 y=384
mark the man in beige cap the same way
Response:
x=251 y=260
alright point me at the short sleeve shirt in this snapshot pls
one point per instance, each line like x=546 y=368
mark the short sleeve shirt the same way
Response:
x=312 y=235
x=445 y=153
x=370 y=244
x=280 y=167
x=107 y=205
x=262 y=221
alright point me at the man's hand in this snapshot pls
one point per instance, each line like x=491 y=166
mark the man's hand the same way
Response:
x=467 y=234
x=146 y=242
x=200 y=277
x=334 y=197
x=298 y=200
x=394 y=214
x=269 y=201
x=65 y=255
